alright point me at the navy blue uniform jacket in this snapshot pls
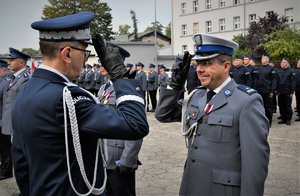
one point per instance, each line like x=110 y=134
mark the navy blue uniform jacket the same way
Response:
x=39 y=154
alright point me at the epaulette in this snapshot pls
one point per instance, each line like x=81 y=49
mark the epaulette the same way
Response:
x=8 y=79
x=25 y=75
x=246 y=89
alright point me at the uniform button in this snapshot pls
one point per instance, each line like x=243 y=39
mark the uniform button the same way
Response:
x=138 y=89
x=228 y=180
x=220 y=121
x=188 y=117
x=195 y=147
x=199 y=134
x=193 y=160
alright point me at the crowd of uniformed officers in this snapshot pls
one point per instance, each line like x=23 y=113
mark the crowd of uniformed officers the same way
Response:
x=275 y=83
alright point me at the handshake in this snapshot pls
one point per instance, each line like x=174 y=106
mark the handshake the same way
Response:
x=110 y=59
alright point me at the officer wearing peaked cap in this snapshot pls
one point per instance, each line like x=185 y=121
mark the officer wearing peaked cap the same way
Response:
x=122 y=161
x=57 y=148
x=152 y=85
x=224 y=125
x=141 y=76
x=17 y=64
x=163 y=78
x=5 y=140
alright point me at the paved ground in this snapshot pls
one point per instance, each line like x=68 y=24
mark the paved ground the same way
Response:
x=163 y=155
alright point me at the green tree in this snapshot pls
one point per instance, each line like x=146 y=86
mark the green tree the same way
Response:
x=124 y=29
x=159 y=27
x=31 y=52
x=253 y=42
x=168 y=30
x=284 y=43
x=134 y=21
x=102 y=22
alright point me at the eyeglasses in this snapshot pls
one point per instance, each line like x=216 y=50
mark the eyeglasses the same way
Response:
x=86 y=52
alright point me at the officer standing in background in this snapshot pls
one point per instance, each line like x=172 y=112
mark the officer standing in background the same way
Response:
x=266 y=84
x=163 y=78
x=81 y=77
x=122 y=161
x=238 y=72
x=98 y=79
x=286 y=89
x=297 y=90
x=17 y=64
x=224 y=124
x=141 y=76
x=89 y=78
x=4 y=139
x=152 y=85
x=192 y=78
x=57 y=148
x=250 y=68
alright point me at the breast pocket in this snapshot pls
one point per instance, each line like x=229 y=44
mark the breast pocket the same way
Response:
x=219 y=128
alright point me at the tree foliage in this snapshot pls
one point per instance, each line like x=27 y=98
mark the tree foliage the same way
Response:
x=168 y=30
x=134 y=21
x=255 y=39
x=102 y=22
x=159 y=27
x=284 y=43
x=124 y=29
x=31 y=52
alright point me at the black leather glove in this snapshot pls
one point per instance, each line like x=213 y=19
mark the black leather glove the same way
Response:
x=179 y=72
x=110 y=58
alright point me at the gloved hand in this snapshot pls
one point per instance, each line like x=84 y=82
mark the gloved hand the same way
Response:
x=179 y=72
x=110 y=58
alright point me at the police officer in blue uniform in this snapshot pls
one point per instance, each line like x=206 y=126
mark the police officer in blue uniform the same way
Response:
x=141 y=76
x=286 y=88
x=5 y=151
x=122 y=161
x=224 y=124
x=163 y=78
x=98 y=79
x=266 y=84
x=17 y=63
x=152 y=85
x=81 y=78
x=250 y=68
x=56 y=145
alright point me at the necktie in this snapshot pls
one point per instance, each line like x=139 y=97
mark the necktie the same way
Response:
x=209 y=95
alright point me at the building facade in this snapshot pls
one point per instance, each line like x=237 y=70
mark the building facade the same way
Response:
x=223 y=18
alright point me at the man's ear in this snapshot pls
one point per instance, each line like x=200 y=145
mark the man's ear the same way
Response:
x=66 y=54
x=227 y=66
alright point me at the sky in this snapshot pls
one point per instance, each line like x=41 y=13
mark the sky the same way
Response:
x=16 y=17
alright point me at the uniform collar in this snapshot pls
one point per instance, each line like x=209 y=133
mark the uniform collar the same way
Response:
x=18 y=72
x=46 y=67
x=217 y=90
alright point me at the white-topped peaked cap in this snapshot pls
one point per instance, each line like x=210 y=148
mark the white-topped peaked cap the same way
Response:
x=208 y=46
x=75 y=27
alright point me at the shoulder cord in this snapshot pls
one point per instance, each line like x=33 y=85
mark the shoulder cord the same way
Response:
x=68 y=101
x=187 y=132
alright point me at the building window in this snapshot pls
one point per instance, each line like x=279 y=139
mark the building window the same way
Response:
x=252 y=18
x=208 y=26
x=184 y=29
x=222 y=3
x=235 y=2
x=195 y=6
x=236 y=22
x=222 y=24
x=288 y=13
x=183 y=8
x=269 y=13
x=208 y=4
x=196 y=28
x=184 y=48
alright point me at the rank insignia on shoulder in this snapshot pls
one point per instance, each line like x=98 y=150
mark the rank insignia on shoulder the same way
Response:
x=246 y=89
x=227 y=92
x=25 y=75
